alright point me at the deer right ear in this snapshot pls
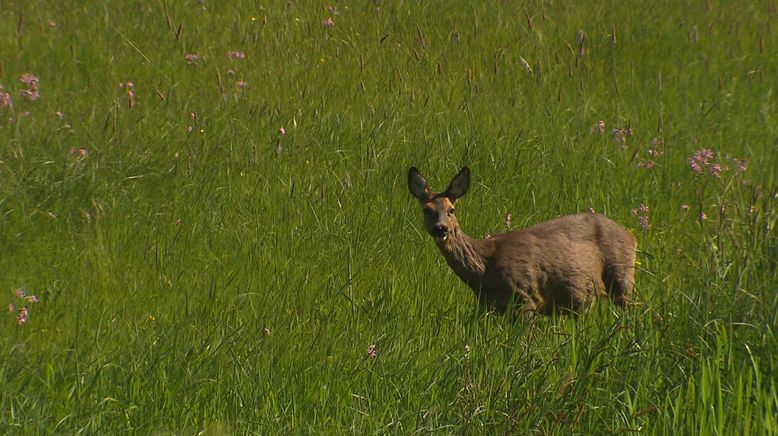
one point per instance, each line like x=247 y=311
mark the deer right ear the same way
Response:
x=416 y=184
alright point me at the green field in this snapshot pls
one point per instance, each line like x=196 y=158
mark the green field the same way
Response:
x=208 y=201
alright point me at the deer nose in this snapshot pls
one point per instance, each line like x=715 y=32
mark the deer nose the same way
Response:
x=439 y=230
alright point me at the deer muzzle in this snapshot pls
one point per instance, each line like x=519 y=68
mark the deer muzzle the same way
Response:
x=440 y=231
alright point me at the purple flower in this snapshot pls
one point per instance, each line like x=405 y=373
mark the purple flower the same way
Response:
x=327 y=22
x=192 y=58
x=622 y=134
x=29 y=94
x=22 y=316
x=19 y=293
x=5 y=99
x=30 y=80
x=714 y=170
x=372 y=351
x=129 y=86
x=599 y=127
x=32 y=86
x=78 y=152
x=643 y=221
x=235 y=54
x=282 y=131
x=701 y=160
x=32 y=299
x=641 y=212
x=740 y=165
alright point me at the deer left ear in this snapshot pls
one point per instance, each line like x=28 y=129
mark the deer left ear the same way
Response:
x=459 y=185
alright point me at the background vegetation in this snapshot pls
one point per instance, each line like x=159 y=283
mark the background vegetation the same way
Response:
x=208 y=202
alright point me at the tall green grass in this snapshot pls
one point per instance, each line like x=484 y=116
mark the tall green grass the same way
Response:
x=230 y=279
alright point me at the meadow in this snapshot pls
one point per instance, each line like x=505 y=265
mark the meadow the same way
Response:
x=205 y=225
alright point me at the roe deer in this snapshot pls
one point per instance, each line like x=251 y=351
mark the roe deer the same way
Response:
x=561 y=265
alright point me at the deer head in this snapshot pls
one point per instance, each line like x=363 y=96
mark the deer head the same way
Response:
x=438 y=207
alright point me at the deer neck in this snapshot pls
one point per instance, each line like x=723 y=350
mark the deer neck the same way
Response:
x=465 y=255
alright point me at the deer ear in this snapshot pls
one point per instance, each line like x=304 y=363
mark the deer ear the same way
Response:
x=459 y=185
x=416 y=184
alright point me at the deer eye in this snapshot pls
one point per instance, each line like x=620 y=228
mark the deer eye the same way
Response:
x=451 y=212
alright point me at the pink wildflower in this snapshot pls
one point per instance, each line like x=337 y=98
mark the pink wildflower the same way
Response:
x=282 y=131
x=714 y=170
x=643 y=221
x=78 y=152
x=641 y=212
x=5 y=99
x=740 y=165
x=372 y=351
x=22 y=316
x=235 y=54
x=192 y=58
x=30 y=80
x=653 y=151
x=241 y=84
x=130 y=87
x=621 y=135
x=19 y=293
x=701 y=160
x=32 y=87
x=327 y=22
x=508 y=220
x=29 y=94
x=32 y=299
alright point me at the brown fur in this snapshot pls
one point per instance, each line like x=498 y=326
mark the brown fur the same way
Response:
x=559 y=265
